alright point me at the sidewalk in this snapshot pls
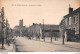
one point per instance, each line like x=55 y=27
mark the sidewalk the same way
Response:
x=75 y=45
x=7 y=48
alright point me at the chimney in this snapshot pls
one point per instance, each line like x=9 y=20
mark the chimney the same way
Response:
x=70 y=9
x=34 y=24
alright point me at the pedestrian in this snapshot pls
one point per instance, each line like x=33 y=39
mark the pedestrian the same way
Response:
x=8 y=41
x=29 y=37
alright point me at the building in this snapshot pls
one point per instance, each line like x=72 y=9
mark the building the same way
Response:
x=70 y=25
x=0 y=27
x=20 y=30
x=34 y=30
x=21 y=23
x=50 y=30
x=37 y=30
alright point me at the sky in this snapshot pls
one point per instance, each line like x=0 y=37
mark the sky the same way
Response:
x=0 y=5
x=34 y=11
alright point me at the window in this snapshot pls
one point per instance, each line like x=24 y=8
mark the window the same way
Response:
x=66 y=21
x=69 y=20
x=74 y=19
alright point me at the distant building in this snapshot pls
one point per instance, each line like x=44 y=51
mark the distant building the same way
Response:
x=20 y=30
x=21 y=23
x=49 y=30
x=34 y=30
x=70 y=25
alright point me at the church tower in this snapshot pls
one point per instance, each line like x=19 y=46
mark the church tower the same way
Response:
x=21 y=23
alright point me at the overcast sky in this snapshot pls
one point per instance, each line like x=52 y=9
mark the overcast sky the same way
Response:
x=52 y=11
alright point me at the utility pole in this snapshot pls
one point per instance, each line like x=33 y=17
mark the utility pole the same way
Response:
x=51 y=33
x=3 y=26
x=43 y=31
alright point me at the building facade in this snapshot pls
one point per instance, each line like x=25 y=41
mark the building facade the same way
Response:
x=34 y=30
x=37 y=30
x=70 y=25
x=50 y=30
x=0 y=19
x=0 y=27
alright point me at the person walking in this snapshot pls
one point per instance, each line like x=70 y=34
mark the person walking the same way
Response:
x=29 y=37
x=8 y=41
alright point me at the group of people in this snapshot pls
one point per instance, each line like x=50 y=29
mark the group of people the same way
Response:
x=31 y=37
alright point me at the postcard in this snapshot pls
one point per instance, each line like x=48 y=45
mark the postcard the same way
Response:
x=39 y=26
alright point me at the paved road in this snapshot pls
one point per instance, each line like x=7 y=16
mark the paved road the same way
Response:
x=25 y=45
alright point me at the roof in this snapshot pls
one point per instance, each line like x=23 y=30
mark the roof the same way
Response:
x=75 y=11
x=50 y=27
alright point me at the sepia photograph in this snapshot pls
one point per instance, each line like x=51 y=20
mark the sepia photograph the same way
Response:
x=39 y=26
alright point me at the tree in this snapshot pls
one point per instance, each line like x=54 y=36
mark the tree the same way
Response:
x=3 y=26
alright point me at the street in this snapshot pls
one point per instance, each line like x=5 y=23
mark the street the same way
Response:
x=24 y=45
